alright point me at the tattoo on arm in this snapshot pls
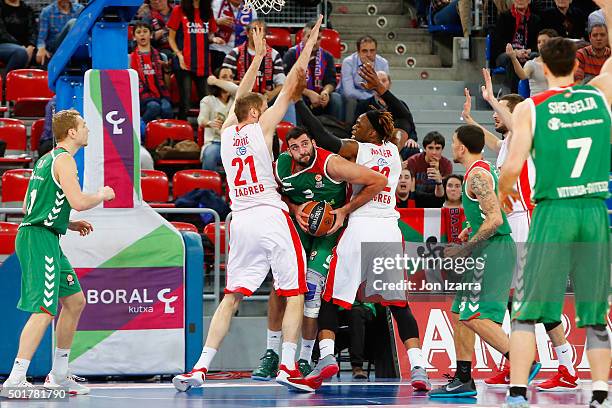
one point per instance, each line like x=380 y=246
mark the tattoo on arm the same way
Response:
x=482 y=187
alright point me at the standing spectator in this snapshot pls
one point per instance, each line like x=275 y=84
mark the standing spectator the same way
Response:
x=320 y=76
x=352 y=88
x=447 y=12
x=533 y=69
x=565 y=18
x=404 y=193
x=147 y=62
x=452 y=191
x=232 y=20
x=430 y=168
x=191 y=27
x=160 y=12
x=214 y=109
x=591 y=58
x=519 y=27
x=53 y=18
x=17 y=35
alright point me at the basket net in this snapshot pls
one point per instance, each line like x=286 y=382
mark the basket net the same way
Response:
x=265 y=6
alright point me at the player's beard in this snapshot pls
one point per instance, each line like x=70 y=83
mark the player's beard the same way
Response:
x=307 y=163
x=501 y=129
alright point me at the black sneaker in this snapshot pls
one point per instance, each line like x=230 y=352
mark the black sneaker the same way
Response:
x=455 y=388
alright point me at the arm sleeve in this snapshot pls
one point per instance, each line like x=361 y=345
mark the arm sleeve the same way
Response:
x=323 y=137
x=401 y=113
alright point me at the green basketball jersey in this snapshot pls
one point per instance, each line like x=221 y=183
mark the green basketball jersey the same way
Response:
x=571 y=143
x=312 y=183
x=471 y=206
x=46 y=204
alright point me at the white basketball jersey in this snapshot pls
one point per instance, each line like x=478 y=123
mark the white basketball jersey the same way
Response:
x=524 y=184
x=248 y=166
x=383 y=159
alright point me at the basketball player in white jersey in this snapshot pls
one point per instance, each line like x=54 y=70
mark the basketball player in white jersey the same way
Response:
x=374 y=144
x=262 y=235
x=519 y=217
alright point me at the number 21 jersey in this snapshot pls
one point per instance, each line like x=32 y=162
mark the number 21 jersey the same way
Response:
x=248 y=166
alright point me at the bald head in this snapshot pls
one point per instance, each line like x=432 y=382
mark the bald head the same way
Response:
x=384 y=78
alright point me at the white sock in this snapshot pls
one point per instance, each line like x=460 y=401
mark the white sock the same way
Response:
x=273 y=341
x=564 y=355
x=599 y=386
x=306 y=350
x=60 y=362
x=327 y=347
x=20 y=368
x=208 y=353
x=415 y=355
x=288 y=357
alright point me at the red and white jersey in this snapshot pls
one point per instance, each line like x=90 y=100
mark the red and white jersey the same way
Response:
x=248 y=166
x=524 y=184
x=384 y=159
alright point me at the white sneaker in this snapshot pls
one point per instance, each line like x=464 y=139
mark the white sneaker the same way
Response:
x=184 y=382
x=69 y=381
x=23 y=384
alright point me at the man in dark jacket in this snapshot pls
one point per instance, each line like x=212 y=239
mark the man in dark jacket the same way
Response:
x=565 y=18
x=17 y=34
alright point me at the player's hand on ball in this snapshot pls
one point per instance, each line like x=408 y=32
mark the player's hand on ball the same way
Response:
x=107 y=193
x=82 y=227
x=301 y=217
x=340 y=214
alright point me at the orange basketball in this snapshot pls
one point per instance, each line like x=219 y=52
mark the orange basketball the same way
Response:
x=320 y=218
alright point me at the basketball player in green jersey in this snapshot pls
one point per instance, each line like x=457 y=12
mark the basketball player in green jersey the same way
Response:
x=46 y=274
x=567 y=131
x=307 y=173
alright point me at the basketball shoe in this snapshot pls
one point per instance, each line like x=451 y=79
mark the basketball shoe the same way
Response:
x=69 y=381
x=454 y=388
x=502 y=378
x=516 y=402
x=9 y=387
x=562 y=381
x=267 y=368
x=419 y=379
x=304 y=367
x=293 y=379
x=195 y=378
x=326 y=368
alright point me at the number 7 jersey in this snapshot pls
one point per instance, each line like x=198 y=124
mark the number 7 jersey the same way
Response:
x=248 y=166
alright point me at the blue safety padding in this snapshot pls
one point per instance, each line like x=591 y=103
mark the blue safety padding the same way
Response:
x=523 y=88
x=194 y=307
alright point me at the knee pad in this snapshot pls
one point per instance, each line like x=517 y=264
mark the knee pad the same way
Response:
x=312 y=299
x=525 y=326
x=551 y=326
x=597 y=337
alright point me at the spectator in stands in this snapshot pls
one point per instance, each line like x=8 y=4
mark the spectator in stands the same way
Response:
x=232 y=20
x=591 y=58
x=357 y=320
x=404 y=193
x=54 y=18
x=565 y=18
x=160 y=12
x=596 y=17
x=149 y=64
x=319 y=93
x=455 y=12
x=17 y=34
x=452 y=191
x=191 y=27
x=430 y=168
x=45 y=143
x=352 y=88
x=271 y=73
x=422 y=7
x=214 y=109
x=518 y=27
x=533 y=69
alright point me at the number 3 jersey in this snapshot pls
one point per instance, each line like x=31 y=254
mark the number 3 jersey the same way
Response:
x=312 y=183
x=46 y=204
x=248 y=166
x=385 y=159
x=571 y=143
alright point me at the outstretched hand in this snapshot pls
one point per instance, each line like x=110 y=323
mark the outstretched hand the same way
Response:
x=466 y=114
x=259 y=39
x=487 y=89
x=372 y=82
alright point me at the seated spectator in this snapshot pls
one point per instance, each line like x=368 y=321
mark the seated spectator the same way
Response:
x=357 y=319
x=319 y=94
x=591 y=58
x=404 y=193
x=272 y=73
x=45 y=143
x=519 y=27
x=596 y=17
x=17 y=34
x=232 y=19
x=533 y=69
x=447 y=12
x=53 y=19
x=214 y=109
x=452 y=191
x=429 y=169
x=565 y=18
x=352 y=88
x=149 y=64
x=160 y=11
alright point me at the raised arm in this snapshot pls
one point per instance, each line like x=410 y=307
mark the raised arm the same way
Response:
x=247 y=82
x=487 y=93
x=227 y=86
x=603 y=81
x=493 y=142
x=518 y=69
x=272 y=117
x=519 y=148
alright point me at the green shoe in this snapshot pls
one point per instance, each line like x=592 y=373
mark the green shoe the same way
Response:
x=268 y=367
x=304 y=367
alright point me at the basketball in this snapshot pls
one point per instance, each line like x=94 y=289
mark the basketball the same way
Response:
x=320 y=218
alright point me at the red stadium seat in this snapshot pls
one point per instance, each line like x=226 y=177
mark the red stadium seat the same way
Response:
x=330 y=41
x=159 y=130
x=154 y=185
x=185 y=226
x=281 y=131
x=185 y=181
x=13 y=132
x=36 y=131
x=209 y=231
x=278 y=37
x=28 y=91
x=15 y=184
x=8 y=233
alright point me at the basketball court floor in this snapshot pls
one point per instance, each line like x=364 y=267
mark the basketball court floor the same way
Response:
x=248 y=393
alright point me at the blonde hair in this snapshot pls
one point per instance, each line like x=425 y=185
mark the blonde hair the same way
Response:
x=244 y=104
x=63 y=121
